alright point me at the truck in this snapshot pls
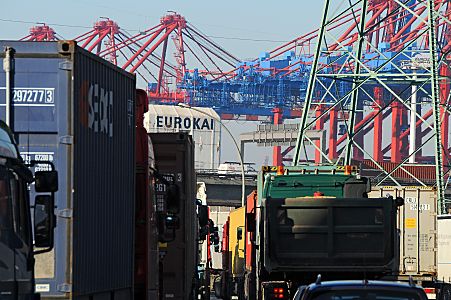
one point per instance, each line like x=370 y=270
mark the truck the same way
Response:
x=233 y=251
x=20 y=242
x=309 y=220
x=207 y=241
x=177 y=219
x=77 y=112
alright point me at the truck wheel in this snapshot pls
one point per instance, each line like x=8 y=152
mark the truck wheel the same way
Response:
x=249 y=286
x=240 y=289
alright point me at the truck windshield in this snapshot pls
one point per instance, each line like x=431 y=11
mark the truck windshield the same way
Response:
x=5 y=202
x=385 y=294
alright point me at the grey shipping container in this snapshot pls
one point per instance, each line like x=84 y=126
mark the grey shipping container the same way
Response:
x=174 y=156
x=417 y=224
x=77 y=110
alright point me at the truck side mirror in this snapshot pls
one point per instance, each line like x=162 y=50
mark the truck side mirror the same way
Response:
x=44 y=222
x=203 y=215
x=173 y=198
x=368 y=185
x=250 y=222
x=214 y=235
x=239 y=233
x=172 y=222
x=46 y=181
x=399 y=201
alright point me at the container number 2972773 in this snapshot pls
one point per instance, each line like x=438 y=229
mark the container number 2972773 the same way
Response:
x=34 y=95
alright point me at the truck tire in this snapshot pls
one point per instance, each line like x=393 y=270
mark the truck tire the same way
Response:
x=240 y=288
x=249 y=286
x=217 y=287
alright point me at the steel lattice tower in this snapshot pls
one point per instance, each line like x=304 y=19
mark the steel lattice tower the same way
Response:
x=389 y=60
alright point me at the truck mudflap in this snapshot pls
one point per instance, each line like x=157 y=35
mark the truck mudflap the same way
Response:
x=249 y=286
x=274 y=290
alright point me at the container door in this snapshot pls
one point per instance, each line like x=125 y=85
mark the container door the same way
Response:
x=417 y=226
x=42 y=118
x=418 y=231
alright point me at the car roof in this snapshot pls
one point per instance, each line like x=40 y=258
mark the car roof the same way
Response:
x=362 y=283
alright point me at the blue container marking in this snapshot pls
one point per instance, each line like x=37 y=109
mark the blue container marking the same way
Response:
x=38 y=89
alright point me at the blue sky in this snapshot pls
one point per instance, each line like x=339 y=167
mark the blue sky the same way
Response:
x=232 y=19
x=238 y=26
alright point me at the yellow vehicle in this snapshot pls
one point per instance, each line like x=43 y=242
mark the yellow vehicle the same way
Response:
x=233 y=255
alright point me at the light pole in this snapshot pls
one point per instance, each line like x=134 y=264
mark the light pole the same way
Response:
x=8 y=67
x=243 y=184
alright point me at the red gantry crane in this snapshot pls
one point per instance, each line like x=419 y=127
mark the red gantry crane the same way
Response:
x=148 y=53
x=41 y=33
x=181 y=64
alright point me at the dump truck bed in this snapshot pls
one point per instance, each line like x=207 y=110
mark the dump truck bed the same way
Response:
x=330 y=234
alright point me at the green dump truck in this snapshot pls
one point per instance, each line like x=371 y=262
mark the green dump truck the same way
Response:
x=305 y=221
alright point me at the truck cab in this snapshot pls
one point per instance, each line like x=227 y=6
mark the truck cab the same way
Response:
x=17 y=241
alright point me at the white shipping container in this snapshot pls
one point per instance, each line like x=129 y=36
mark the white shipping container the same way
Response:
x=200 y=122
x=219 y=215
x=417 y=224
x=444 y=248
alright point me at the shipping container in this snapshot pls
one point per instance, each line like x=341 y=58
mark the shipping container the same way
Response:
x=219 y=215
x=444 y=248
x=77 y=110
x=417 y=225
x=423 y=172
x=201 y=123
x=174 y=156
x=201 y=196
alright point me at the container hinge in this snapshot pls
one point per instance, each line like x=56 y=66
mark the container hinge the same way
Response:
x=64 y=213
x=66 y=65
x=67 y=140
x=64 y=287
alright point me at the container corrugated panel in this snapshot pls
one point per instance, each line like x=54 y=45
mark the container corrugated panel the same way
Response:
x=417 y=224
x=103 y=174
x=423 y=172
x=174 y=156
x=77 y=110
